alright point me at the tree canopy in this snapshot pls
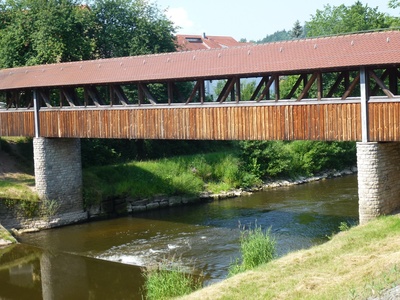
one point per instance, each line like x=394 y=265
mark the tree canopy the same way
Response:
x=345 y=19
x=50 y=31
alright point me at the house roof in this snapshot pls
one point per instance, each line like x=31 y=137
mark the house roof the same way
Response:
x=201 y=42
x=372 y=49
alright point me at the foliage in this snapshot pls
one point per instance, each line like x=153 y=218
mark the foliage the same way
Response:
x=126 y=27
x=40 y=31
x=297 y=30
x=257 y=248
x=345 y=19
x=287 y=159
x=169 y=280
x=394 y=3
x=50 y=31
x=99 y=152
x=281 y=35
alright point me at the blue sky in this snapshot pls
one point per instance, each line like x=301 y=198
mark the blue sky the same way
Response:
x=251 y=19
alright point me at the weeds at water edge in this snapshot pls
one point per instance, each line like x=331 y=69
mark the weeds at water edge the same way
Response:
x=257 y=248
x=169 y=279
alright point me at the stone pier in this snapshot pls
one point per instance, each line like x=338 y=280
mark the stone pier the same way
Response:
x=58 y=176
x=378 y=179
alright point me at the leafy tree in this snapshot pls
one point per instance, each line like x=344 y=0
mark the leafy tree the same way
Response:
x=394 y=3
x=44 y=31
x=126 y=27
x=346 y=19
x=50 y=31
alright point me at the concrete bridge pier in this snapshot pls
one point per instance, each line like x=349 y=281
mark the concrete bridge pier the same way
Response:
x=378 y=179
x=58 y=176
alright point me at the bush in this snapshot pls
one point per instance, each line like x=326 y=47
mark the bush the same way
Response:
x=257 y=248
x=290 y=159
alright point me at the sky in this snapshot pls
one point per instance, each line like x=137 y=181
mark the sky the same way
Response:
x=249 y=19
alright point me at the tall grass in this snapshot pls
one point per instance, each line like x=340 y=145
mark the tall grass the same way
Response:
x=257 y=248
x=166 y=282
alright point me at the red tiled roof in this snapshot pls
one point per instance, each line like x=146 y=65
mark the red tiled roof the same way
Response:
x=330 y=53
x=201 y=42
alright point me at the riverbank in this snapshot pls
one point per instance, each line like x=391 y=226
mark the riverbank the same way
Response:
x=356 y=264
x=6 y=237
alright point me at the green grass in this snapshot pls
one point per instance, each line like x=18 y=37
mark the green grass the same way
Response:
x=355 y=264
x=257 y=247
x=169 y=281
x=184 y=175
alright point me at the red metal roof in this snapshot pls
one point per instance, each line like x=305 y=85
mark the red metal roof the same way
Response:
x=329 y=53
x=202 y=42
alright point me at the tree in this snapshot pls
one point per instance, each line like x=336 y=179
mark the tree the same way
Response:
x=297 y=31
x=50 y=31
x=394 y=3
x=277 y=36
x=126 y=27
x=44 y=31
x=346 y=19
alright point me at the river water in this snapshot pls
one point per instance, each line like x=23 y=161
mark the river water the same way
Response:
x=104 y=259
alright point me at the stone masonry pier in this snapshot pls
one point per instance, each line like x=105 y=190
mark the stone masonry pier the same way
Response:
x=58 y=176
x=378 y=179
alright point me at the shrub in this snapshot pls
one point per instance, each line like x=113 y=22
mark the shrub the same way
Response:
x=257 y=247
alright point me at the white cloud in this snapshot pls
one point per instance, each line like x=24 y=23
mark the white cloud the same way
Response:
x=180 y=18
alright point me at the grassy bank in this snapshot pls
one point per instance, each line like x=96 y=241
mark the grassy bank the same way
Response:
x=354 y=264
x=184 y=175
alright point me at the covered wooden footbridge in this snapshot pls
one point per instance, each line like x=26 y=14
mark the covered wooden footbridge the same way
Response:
x=345 y=88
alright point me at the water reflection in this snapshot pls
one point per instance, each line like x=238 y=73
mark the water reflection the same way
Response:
x=28 y=272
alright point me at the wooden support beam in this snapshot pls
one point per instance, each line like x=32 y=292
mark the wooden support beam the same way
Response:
x=147 y=93
x=140 y=94
x=296 y=86
x=381 y=84
x=258 y=88
x=194 y=92
x=383 y=77
x=119 y=92
x=94 y=95
x=68 y=96
x=170 y=87
x=202 y=91
x=62 y=97
x=111 y=95
x=320 y=86
x=308 y=86
x=228 y=89
x=45 y=95
x=277 y=88
x=266 y=88
x=342 y=76
x=237 y=90
x=224 y=90
x=85 y=97
x=351 y=88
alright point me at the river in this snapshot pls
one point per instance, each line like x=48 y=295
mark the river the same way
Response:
x=104 y=259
